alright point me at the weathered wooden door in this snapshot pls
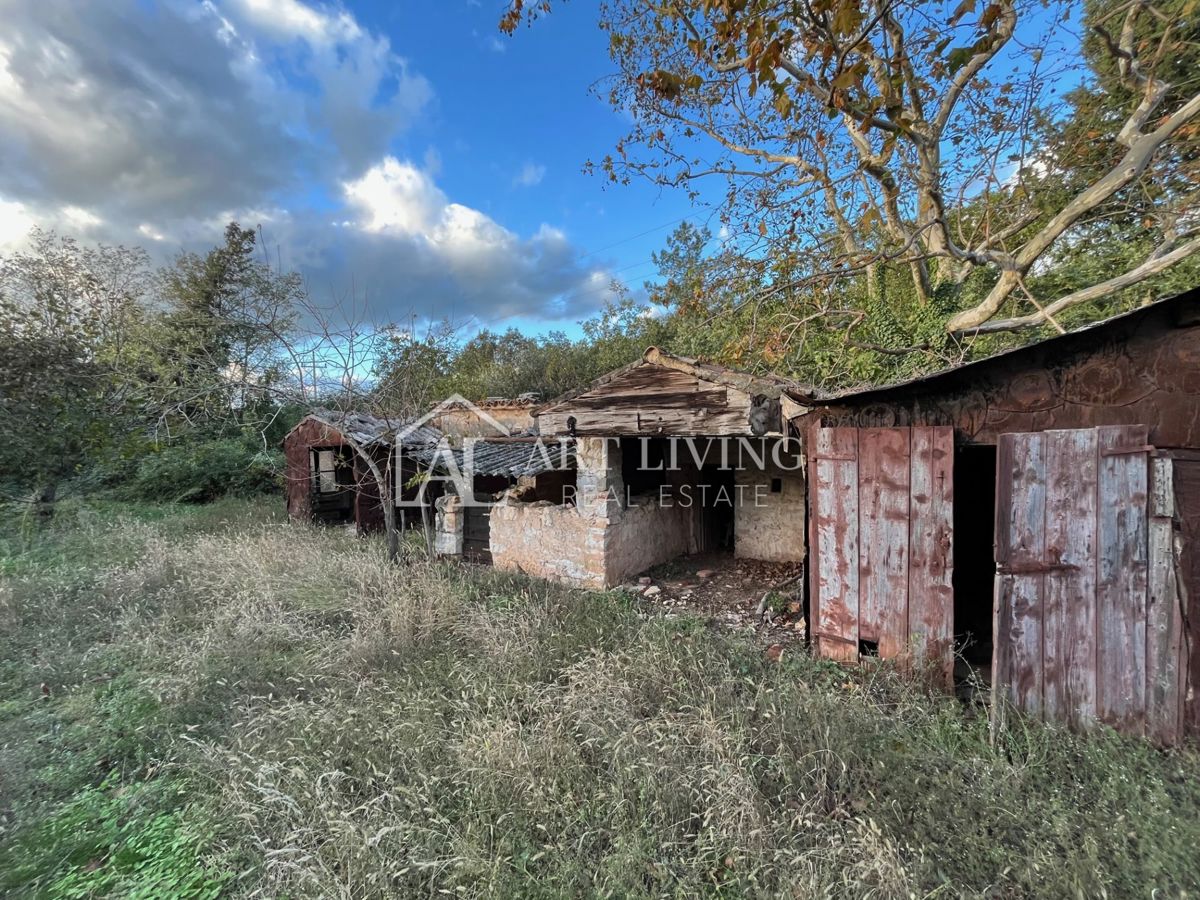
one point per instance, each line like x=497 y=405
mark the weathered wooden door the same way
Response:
x=1083 y=630
x=880 y=536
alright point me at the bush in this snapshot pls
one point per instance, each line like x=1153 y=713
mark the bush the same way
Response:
x=203 y=470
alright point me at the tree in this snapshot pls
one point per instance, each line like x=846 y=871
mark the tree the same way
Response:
x=71 y=321
x=341 y=360
x=857 y=136
x=1078 y=146
x=221 y=337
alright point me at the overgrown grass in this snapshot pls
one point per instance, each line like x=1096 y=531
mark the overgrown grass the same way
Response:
x=237 y=706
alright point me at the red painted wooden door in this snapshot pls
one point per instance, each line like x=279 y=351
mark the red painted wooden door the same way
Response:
x=1074 y=608
x=880 y=534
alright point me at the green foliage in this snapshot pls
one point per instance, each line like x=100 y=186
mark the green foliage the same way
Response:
x=200 y=470
x=217 y=345
x=414 y=371
x=104 y=358
x=68 y=319
x=108 y=841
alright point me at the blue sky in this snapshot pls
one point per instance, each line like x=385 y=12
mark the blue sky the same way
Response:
x=408 y=150
x=517 y=122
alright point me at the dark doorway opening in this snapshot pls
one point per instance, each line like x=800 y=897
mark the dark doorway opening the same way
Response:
x=332 y=485
x=716 y=495
x=477 y=517
x=974 y=557
x=644 y=466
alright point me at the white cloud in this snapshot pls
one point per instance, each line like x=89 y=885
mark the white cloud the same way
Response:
x=15 y=223
x=397 y=197
x=291 y=19
x=452 y=251
x=157 y=126
x=81 y=220
x=531 y=174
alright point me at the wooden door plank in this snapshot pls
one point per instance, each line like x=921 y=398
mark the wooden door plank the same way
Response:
x=883 y=515
x=1001 y=601
x=834 y=472
x=1164 y=613
x=931 y=559
x=1069 y=621
x=1122 y=576
x=1021 y=521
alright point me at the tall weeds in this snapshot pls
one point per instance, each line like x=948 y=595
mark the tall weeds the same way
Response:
x=272 y=710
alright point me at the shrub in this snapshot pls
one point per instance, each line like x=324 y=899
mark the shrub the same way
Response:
x=113 y=841
x=203 y=470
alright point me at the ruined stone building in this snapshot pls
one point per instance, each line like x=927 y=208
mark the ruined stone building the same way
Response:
x=1034 y=515
x=671 y=457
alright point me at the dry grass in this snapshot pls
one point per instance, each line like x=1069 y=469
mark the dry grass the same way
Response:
x=245 y=707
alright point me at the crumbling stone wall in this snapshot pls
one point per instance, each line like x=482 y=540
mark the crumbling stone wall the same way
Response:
x=592 y=545
x=606 y=537
x=766 y=525
x=564 y=543
x=597 y=542
x=448 y=536
x=461 y=422
x=643 y=534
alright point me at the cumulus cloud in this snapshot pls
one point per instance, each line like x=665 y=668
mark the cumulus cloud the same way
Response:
x=452 y=257
x=157 y=123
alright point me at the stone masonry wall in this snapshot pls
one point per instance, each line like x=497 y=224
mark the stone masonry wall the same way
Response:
x=448 y=536
x=563 y=543
x=604 y=538
x=769 y=526
x=643 y=535
x=597 y=542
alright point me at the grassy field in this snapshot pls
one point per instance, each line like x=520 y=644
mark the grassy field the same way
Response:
x=206 y=701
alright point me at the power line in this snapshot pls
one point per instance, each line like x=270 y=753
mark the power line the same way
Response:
x=638 y=235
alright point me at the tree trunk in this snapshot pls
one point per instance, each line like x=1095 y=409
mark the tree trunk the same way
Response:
x=426 y=526
x=393 y=534
x=383 y=482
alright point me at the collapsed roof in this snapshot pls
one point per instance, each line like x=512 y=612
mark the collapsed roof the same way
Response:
x=367 y=430
x=509 y=458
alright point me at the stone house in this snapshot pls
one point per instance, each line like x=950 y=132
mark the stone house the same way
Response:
x=671 y=456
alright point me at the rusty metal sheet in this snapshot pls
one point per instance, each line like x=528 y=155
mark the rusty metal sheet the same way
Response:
x=883 y=516
x=1143 y=368
x=931 y=559
x=1088 y=622
x=1122 y=577
x=1069 y=620
x=875 y=494
x=833 y=468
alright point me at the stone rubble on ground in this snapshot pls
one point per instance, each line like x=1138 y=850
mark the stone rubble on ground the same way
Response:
x=729 y=595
